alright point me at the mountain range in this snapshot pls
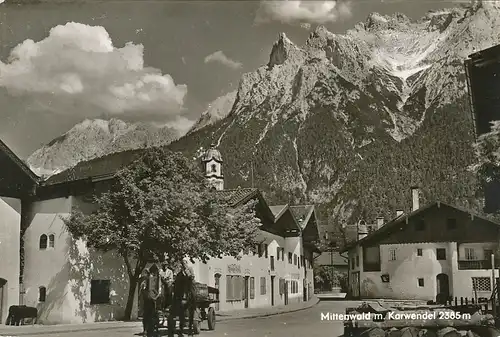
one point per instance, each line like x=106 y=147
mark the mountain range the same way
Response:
x=351 y=121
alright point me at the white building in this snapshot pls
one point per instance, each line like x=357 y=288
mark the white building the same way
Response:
x=70 y=284
x=434 y=250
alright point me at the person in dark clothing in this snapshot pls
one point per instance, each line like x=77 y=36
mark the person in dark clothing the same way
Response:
x=150 y=297
x=183 y=300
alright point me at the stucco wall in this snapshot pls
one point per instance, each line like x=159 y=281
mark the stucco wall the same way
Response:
x=67 y=269
x=405 y=271
x=10 y=221
x=257 y=267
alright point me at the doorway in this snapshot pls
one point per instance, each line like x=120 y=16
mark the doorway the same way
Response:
x=217 y=286
x=246 y=290
x=443 y=288
x=3 y=294
x=304 y=289
x=272 y=290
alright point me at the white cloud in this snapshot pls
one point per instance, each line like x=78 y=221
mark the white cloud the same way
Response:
x=300 y=12
x=219 y=56
x=77 y=65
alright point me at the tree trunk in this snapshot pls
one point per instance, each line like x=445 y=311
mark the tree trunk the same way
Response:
x=131 y=296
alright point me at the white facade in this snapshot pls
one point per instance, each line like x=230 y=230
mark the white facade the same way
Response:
x=412 y=276
x=10 y=221
x=67 y=269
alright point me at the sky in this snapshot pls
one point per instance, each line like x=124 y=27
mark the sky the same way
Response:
x=163 y=61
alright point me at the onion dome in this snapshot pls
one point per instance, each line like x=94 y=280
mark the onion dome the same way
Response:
x=212 y=153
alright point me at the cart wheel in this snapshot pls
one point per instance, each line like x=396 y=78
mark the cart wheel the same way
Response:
x=211 y=318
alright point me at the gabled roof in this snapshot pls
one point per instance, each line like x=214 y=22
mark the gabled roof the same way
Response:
x=303 y=214
x=380 y=233
x=5 y=149
x=103 y=167
x=239 y=196
x=278 y=211
x=331 y=259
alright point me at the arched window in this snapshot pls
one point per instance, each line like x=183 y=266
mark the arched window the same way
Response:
x=42 y=294
x=51 y=240
x=214 y=168
x=43 y=241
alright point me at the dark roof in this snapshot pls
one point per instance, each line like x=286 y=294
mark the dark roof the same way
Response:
x=302 y=213
x=105 y=166
x=373 y=236
x=489 y=53
x=278 y=210
x=5 y=149
x=239 y=195
x=331 y=259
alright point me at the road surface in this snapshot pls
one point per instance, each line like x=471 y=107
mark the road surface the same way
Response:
x=301 y=323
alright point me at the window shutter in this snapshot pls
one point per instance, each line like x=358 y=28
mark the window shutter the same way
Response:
x=252 y=288
x=242 y=287
x=229 y=288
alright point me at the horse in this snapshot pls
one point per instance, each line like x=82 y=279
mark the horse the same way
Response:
x=18 y=313
x=183 y=301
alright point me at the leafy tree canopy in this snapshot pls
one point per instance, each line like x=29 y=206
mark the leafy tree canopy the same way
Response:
x=159 y=208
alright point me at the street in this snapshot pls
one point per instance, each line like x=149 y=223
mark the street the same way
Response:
x=301 y=323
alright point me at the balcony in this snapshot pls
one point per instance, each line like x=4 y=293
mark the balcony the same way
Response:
x=373 y=266
x=475 y=264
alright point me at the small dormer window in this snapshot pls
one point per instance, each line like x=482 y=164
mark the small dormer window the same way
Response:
x=214 y=168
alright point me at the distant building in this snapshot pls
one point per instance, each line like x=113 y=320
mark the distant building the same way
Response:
x=70 y=283
x=438 y=249
x=483 y=79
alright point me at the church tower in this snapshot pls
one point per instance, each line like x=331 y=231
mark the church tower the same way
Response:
x=212 y=162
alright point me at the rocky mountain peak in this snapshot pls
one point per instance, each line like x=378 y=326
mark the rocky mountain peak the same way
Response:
x=282 y=50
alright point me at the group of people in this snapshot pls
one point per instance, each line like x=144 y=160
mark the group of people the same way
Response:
x=178 y=294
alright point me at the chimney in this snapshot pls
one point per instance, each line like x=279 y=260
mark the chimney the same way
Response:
x=380 y=222
x=415 y=195
x=362 y=229
x=399 y=212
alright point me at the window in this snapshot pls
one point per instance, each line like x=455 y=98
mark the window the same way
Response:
x=420 y=282
x=283 y=254
x=51 y=240
x=214 y=168
x=252 y=288
x=357 y=260
x=42 y=294
x=419 y=252
x=265 y=251
x=481 y=283
x=295 y=259
x=234 y=287
x=451 y=224
x=290 y=258
x=441 y=254
x=392 y=254
x=272 y=263
x=43 y=241
x=263 y=287
x=278 y=249
x=353 y=263
x=282 y=286
x=259 y=250
x=99 y=291
x=470 y=254
x=420 y=225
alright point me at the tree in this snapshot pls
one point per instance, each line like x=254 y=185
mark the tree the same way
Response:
x=159 y=208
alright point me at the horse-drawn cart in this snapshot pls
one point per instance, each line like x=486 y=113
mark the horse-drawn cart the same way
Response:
x=206 y=297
